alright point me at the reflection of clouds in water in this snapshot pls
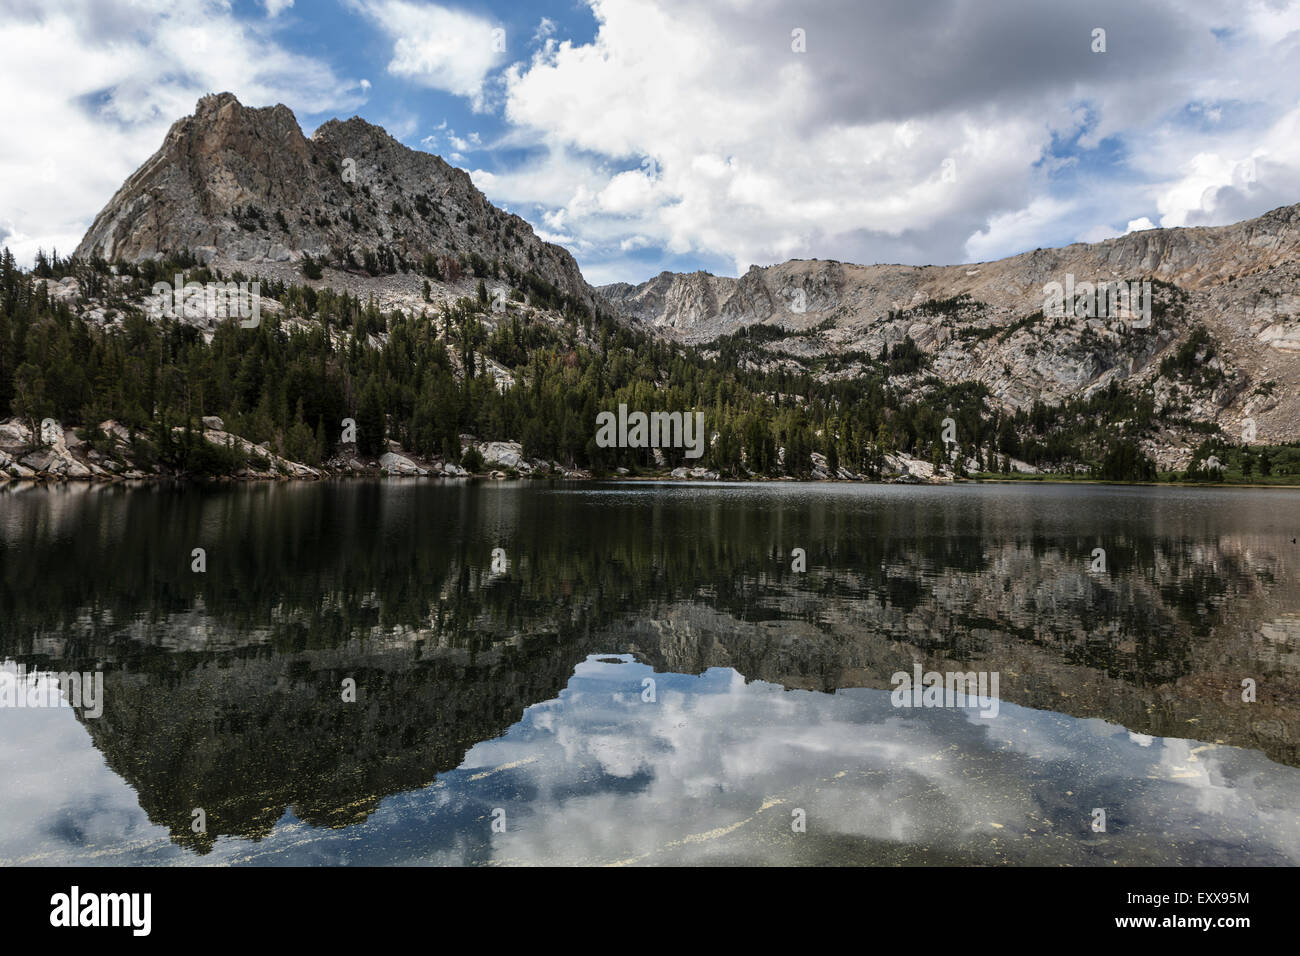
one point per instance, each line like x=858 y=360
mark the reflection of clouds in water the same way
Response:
x=1200 y=774
x=57 y=785
x=721 y=752
x=618 y=756
x=729 y=751
x=711 y=772
x=1038 y=739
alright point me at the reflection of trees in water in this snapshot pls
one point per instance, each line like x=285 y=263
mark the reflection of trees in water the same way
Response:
x=223 y=688
x=247 y=737
x=301 y=567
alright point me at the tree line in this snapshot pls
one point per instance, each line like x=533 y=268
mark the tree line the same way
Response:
x=537 y=372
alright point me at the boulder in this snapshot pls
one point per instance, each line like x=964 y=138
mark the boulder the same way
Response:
x=57 y=462
x=115 y=430
x=14 y=432
x=505 y=454
x=395 y=464
x=9 y=468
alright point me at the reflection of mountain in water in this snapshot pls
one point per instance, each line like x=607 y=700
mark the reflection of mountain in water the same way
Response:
x=224 y=688
x=840 y=653
x=246 y=737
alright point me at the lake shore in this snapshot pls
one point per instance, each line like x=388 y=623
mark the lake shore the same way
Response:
x=112 y=453
x=372 y=474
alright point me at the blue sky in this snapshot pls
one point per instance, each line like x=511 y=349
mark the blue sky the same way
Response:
x=669 y=134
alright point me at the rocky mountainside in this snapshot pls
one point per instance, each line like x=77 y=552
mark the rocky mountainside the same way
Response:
x=424 y=290
x=983 y=321
x=236 y=192
x=245 y=188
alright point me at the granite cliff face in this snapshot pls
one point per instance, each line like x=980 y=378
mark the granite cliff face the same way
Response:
x=699 y=306
x=982 y=321
x=245 y=186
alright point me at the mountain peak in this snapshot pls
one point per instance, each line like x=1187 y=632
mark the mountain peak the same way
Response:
x=241 y=184
x=354 y=125
x=223 y=110
x=214 y=102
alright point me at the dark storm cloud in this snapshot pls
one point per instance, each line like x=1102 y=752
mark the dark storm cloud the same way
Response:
x=898 y=59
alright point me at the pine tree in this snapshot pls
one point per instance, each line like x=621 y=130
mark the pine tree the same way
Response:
x=371 y=424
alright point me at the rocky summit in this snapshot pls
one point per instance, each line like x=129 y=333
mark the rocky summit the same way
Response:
x=238 y=185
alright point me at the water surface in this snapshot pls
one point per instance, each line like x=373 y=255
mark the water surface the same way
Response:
x=633 y=673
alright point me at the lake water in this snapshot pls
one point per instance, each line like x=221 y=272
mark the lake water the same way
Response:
x=634 y=673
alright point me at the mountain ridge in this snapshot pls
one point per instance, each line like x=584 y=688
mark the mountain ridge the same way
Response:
x=1151 y=253
x=976 y=321
x=808 y=367
x=226 y=172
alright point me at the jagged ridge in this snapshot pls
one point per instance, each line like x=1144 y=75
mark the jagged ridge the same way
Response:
x=238 y=184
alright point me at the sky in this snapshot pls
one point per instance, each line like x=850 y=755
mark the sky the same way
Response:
x=645 y=135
